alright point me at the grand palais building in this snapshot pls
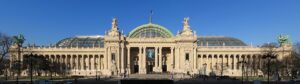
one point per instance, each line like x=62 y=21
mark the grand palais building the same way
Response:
x=152 y=49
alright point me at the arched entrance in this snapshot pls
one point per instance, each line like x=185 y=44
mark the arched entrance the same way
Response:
x=150 y=60
x=166 y=63
x=134 y=60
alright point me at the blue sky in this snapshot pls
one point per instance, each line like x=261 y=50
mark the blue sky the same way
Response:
x=253 y=21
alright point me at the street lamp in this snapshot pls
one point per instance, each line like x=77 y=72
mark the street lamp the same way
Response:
x=269 y=56
x=243 y=62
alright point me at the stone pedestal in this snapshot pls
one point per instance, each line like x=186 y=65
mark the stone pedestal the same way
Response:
x=122 y=70
x=106 y=72
x=196 y=71
x=143 y=71
x=156 y=69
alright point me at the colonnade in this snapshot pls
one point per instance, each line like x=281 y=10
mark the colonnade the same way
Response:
x=79 y=64
x=76 y=64
x=231 y=62
x=142 y=58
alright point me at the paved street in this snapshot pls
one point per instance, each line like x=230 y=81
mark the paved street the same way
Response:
x=147 y=79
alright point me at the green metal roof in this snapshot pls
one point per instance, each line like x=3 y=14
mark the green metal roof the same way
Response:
x=143 y=31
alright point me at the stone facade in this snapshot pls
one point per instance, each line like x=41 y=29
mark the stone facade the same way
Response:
x=151 y=48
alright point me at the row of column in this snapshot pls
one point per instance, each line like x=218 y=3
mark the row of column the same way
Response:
x=76 y=62
x=232 y=62
x=158 y=61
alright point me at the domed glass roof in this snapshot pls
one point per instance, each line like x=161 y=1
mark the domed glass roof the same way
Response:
x=219 y=41
x=82 y=41
x=150 y=31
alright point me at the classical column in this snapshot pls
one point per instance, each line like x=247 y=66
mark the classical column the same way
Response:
x=144 y=57
x=97 y=60
x=233 y=61
x=172 y=58
x=122 y=60
x=242 y=58
x=93 y=62
x=67 y=63
x=226 y=59
x=109 y=60
x=76 y=62
x=156 y=58
x=140 y=59
x=200 y=61
x=82 y=62
x=118 y=60
x=213 y=62
x=160 y=59
x=128 y=60
x=144 y=60
x=238 y=58
x=177 y=58
x=71 y=63
x=219 y=61
x=59 y=57
x=105 y=58
x=85 y=61
x=230 y=62
x=207 y=62
x=223 y=64
x=194 y=59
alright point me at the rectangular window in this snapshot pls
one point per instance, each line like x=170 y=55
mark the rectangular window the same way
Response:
x=113 y=56
x=187 y=57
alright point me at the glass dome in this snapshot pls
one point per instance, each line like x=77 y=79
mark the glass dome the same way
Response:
x=82 y=41
x=150 y=31
x=219 y=41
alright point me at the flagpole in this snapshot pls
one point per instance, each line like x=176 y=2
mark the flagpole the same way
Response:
x=150 y=17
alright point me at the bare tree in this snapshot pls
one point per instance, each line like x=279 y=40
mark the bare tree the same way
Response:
x=18 y=41
x=294 y=64
x=5 y=43
x=271 y=64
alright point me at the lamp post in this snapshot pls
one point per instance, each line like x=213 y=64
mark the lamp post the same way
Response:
x=243 y=62
x=269 y=56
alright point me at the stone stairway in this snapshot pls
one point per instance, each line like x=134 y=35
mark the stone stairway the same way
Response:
x=150 y=76
x=157 y=76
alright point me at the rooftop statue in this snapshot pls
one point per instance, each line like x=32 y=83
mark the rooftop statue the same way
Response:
x=114 y=24
x=114 y=28
x=283 y=39
x=186 y=21
x=186 y=28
